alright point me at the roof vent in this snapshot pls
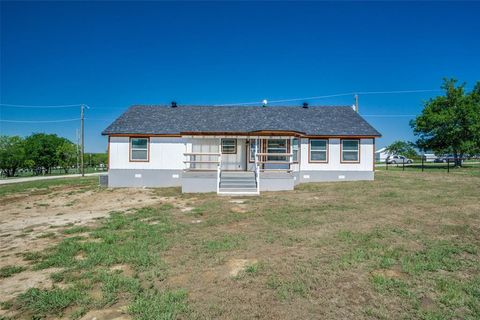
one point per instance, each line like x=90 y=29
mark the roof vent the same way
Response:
x=174 y=104
x=305 y=105
x=264 y=103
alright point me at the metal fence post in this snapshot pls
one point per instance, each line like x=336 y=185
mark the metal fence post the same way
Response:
x=386 y=161
x=448 y=165
x=423 y=159
x=403 y=165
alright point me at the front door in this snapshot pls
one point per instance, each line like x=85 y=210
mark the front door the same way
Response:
x=233 y=154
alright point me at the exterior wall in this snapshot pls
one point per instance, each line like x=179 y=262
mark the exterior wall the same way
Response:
x=334 y=164
x=276 y=181
x=150 y=178
x=165 y=166
x=165 y=154
x=330 y=176
x=199 y=182
x=236 y=161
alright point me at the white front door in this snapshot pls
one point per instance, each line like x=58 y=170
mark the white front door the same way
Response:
x=233 y=154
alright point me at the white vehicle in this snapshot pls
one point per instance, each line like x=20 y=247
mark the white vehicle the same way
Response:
x=397 y=159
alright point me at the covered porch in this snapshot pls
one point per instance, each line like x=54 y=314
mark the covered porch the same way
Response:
x=240 y=164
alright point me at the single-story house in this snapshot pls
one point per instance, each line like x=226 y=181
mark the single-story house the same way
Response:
x=238 y=150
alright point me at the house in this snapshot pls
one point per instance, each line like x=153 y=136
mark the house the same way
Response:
x=382 y=154
x=238 y=150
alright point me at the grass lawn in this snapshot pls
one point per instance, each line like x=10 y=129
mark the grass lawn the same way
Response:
x=405 y=246
x=45 y=185
x=55 y=172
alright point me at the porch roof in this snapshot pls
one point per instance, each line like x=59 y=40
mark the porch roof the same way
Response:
x=248 y=120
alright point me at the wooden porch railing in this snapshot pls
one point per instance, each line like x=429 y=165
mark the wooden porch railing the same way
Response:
x=262 y=158
x=194 y=158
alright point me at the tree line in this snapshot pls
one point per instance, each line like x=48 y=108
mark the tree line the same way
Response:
x=448 y=124
x=40 y=153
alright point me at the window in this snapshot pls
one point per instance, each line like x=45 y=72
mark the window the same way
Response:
x=139 y=149
x=277 y=146
x=253 y=144
x=295 y=146
x=229 y=146
x=350 y=150
x=318 y=150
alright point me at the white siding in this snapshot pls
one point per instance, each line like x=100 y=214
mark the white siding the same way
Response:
x=165 y=153
x=366 y=157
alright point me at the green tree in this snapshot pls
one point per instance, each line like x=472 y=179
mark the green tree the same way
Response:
x=42 y=148
x=402 y=148
x=450 y=123
x=98 y=159
x=12 y=154
x=66 y=155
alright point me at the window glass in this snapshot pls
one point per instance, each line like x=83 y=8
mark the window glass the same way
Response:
x=295 y=146
x=277 y=146
x=350 y=150
x=139 y=149
x=253 y=144
x=229 y=146
x=318 y=150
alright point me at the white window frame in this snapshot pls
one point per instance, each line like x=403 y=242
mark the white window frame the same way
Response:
x=132 y=148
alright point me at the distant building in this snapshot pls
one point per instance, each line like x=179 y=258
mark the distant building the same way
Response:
x=381 y=155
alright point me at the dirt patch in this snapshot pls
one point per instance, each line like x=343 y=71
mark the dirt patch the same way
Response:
x=23 y=230
x=41 y=226
x=19 y=283
x=388 y=273
x=235 y=266
x=239 y=209
x=119 y=313
x=125 y=269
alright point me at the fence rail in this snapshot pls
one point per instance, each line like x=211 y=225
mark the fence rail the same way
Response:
x=422 y=165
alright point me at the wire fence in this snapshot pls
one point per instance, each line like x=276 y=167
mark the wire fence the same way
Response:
x=445 y=165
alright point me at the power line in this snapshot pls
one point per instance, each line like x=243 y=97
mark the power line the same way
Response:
x=398 y=91
x=388 y=115
x=38 y=121
x=45 y=107
x=332 y=96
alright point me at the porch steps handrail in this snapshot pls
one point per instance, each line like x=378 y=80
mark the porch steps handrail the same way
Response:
x=219 y=172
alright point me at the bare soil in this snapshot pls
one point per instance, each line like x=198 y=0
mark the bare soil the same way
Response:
x=35 y=220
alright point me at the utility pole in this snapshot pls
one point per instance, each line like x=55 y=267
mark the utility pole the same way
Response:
x=356 y=102
x=82 y=128
x=78 y=150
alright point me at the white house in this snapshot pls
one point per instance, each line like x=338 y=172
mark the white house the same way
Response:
x=238 y=149
x=382 y=154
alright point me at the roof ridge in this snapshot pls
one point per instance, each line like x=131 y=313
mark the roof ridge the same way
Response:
x=238 y=106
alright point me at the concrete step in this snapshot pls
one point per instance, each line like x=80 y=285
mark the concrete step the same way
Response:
x=237 y=174
x=238 y=190
x=237 y=180
x=238 y=185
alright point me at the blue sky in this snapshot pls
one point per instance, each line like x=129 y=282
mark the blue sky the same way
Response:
x=110 y=55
